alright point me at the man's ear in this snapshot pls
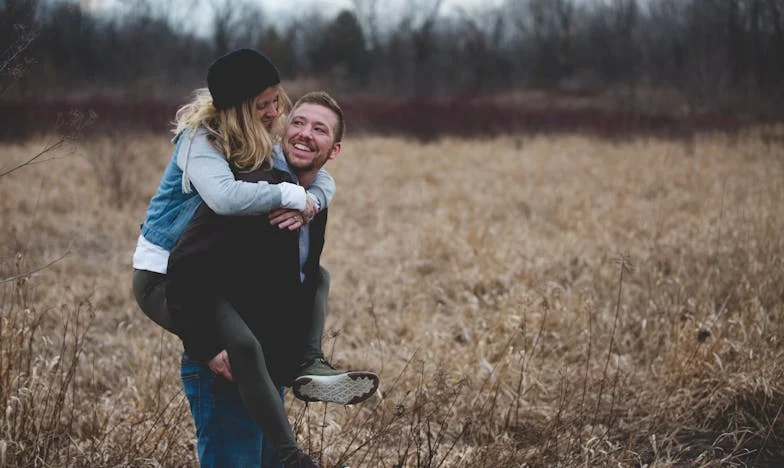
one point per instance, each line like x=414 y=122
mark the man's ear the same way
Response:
x=335 y=151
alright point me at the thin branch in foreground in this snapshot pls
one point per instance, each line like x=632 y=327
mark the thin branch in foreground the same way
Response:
x=47 y=149
x=767 y=435
x=36 y=270
x=624 y=265
x=69 y=125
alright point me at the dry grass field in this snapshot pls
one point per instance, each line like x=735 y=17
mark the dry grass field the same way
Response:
x=527 y=301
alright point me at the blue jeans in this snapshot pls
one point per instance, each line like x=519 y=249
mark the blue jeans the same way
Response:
x=227 y=436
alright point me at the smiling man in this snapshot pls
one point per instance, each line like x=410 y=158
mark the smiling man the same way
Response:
x=268 y=268
x=313 y=135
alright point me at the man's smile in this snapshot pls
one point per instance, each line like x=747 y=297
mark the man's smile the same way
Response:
x=303 y=147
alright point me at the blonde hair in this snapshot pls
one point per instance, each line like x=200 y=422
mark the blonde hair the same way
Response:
x=237 y=132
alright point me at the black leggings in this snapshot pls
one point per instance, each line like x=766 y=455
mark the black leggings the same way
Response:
x=257 y=391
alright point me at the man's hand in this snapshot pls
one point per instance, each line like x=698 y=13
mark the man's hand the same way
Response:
x=220 y=365
x=287 y=219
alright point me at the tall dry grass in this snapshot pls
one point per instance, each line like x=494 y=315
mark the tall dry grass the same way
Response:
x=527 y=301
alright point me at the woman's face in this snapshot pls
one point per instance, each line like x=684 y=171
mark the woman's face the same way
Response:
x=267 y=106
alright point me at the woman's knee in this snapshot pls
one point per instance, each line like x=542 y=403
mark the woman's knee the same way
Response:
x=324 y=278
x=141 y=286
x=245 y=350
x=149 y=290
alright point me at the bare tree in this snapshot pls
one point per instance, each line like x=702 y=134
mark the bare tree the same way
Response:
x=419 y=24
x=550 y=26
x=235 y=24
x=476 y=40
x=366 y=12
x=17 y=35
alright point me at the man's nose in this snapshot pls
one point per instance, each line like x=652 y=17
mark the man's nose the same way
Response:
x=273 y=112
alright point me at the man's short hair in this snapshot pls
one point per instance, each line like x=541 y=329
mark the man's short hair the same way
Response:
x=321 y=98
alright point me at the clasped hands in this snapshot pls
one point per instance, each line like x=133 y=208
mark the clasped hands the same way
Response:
x=292 y=220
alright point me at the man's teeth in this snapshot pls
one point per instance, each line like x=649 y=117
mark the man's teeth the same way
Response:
x=302 y=147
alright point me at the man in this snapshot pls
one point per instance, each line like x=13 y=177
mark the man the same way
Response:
x=269 y=275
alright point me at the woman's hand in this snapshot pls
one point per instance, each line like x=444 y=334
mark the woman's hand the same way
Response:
x=219 y=365
x=311 y=208
x=287 y=219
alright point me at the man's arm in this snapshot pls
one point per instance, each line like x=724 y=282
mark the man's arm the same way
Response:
x=323 y=188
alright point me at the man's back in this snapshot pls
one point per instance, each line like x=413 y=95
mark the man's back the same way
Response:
x=245 y=260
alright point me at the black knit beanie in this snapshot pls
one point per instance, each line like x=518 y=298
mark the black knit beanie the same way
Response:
x=240 y=75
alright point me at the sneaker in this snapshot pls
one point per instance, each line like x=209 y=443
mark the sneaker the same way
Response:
x=319 y=381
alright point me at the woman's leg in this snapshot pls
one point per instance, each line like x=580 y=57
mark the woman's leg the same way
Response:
x=259 y=394
x=149 y=289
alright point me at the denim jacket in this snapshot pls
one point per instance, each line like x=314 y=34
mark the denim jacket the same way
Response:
x=170 y=209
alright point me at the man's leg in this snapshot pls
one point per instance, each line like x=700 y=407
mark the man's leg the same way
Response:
x=318 y=319
x=227 y=436
x=317 y=380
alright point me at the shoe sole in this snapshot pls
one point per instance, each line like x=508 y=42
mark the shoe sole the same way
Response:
x=347 y=389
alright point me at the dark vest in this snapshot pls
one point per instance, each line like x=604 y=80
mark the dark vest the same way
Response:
x=255 y=266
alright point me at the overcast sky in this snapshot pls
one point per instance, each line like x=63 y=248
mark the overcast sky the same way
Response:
x=196 y=15
x=335 y=6
x=282 y=9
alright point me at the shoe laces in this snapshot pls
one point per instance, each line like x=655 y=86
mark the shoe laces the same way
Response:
x=325 y=362
x=318 y=359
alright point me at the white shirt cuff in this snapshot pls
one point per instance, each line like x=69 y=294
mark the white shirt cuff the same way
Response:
x=292 y=196
x=150 y=257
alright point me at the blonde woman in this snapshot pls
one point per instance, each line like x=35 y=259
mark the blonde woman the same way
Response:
x=228 y=128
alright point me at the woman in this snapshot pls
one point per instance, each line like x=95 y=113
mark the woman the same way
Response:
x=226 y=128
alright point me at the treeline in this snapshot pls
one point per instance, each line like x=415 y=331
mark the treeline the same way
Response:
x=415 y=67
x=705 y=48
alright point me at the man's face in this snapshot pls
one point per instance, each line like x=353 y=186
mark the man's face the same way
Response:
x=267 y=106
x=309 y=139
